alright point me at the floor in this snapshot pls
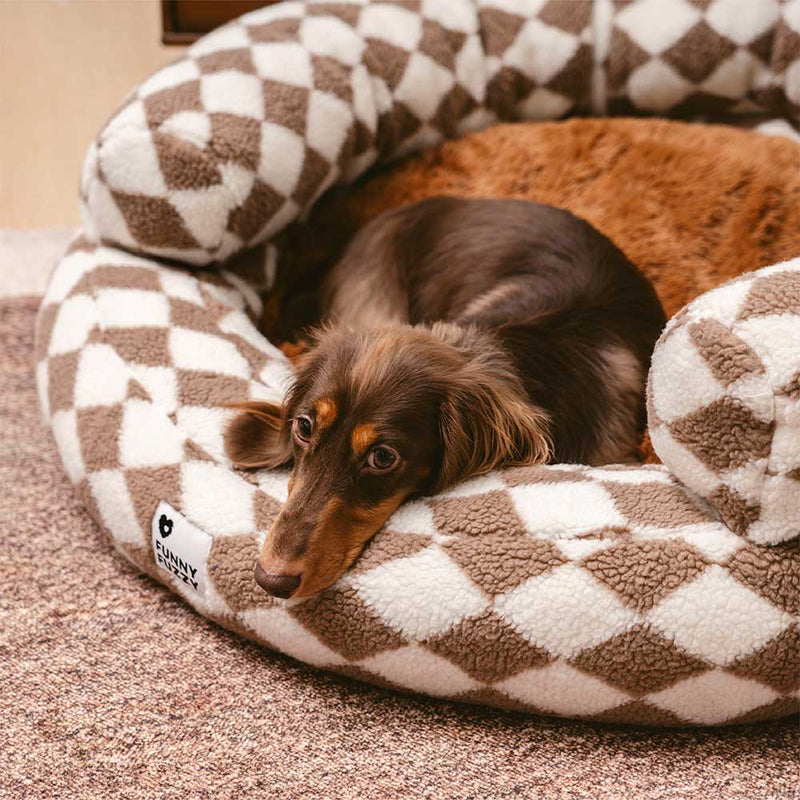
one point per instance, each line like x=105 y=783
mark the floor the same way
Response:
x=112 y=687
x=64 y=66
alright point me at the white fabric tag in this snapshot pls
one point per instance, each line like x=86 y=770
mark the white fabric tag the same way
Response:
x=180 y=548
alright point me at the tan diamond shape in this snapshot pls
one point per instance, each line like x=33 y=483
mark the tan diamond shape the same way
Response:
x=781 y=707
x=98 y=431
x=160 y=106
x=476 y=515
x=640 y=661
x=487 y=648
x=183 y=164
x=724 y=434
x=146 y=345
x=777 y=664
x=61 y=385
x=499 y=563
x=572 y=16
x=644 y=573
x=499 y=29
x=238 y=59
x=658 y=504
x=727 y=356
x=344 y=623
x=778 y=293
x=640 y=712
x=149 y=485
x=697 y=54
x=735 y=511
x=154 y=222
x=261 y=204
x=388 y=546
x=279 y=30
x=231 y=562
x=209 y=388
x=772 y=572
x=522 y=476
x=236 y=139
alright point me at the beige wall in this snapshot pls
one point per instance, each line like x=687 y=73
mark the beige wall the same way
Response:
x=64 y=67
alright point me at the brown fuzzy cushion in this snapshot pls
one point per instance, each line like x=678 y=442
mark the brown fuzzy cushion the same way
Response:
x=691 y=205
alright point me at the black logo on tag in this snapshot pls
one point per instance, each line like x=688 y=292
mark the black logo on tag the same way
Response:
x=164 y=526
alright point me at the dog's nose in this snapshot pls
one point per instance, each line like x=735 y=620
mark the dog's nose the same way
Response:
x=277 y=585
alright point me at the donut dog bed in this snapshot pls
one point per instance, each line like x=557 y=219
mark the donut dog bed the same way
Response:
x=662 y=595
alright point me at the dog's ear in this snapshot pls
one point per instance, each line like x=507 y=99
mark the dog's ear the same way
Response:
x=484 y=425
x=257 y=436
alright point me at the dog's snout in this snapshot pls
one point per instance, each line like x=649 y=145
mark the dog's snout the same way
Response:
x=277 y=585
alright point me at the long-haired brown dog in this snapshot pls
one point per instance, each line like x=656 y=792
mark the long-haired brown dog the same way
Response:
x=460 y=335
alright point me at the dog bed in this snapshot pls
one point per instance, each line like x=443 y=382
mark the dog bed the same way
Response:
x=662 y=595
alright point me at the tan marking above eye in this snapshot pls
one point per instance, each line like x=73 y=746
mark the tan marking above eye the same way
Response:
x=326 y=412
x=362 y=437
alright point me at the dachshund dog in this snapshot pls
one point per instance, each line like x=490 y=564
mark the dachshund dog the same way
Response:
x=458 y=336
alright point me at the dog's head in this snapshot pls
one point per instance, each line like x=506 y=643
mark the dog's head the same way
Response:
x=374 y=417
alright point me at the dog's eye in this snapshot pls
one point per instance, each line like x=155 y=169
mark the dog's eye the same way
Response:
x=381 y=458
x=302 y=428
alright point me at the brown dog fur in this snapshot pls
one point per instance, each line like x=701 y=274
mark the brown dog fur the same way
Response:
x=691 y=206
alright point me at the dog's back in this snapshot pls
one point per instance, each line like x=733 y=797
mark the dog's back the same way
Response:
x=577 y=318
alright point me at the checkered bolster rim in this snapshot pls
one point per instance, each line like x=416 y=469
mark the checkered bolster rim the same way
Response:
x=220 y=150
x=611 y=594
x=731 y=432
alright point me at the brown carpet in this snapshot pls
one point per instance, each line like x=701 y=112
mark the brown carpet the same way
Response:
x=112 y=688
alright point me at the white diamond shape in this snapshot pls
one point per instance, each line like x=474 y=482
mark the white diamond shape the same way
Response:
x=217 y=499
x=420 y=595
x=76 y=317
x=69 y=271
x=413 y=517
x=329 y=36
x=565 y=611
x=480 y=485
x=65 y=432
x=421 y=671
x=148 y=438
x=193 y=126
x=563 y=690
x=717 y=618
x=132 y=308
x=205 y=427
x=205 y=352
x=541 y=103
x=130 y=164
x=283 y=62
x=541 y=51
x=160 y=383
x=676 y=363
x=284 y=633
x=780 y=511
x=282 y=156
x=742 y=21
x=232 y=92
x=204 y=212
x=775 y=338
x=713 y=697
x=102 y=377
x=423 y=86
x=655 y=28
x=657 y=87
x=327 y=123
x=564 y=510
x=180 y=284
x=115 y=506
x=398 y=26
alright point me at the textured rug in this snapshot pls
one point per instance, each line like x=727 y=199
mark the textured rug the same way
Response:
x=113 y=688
